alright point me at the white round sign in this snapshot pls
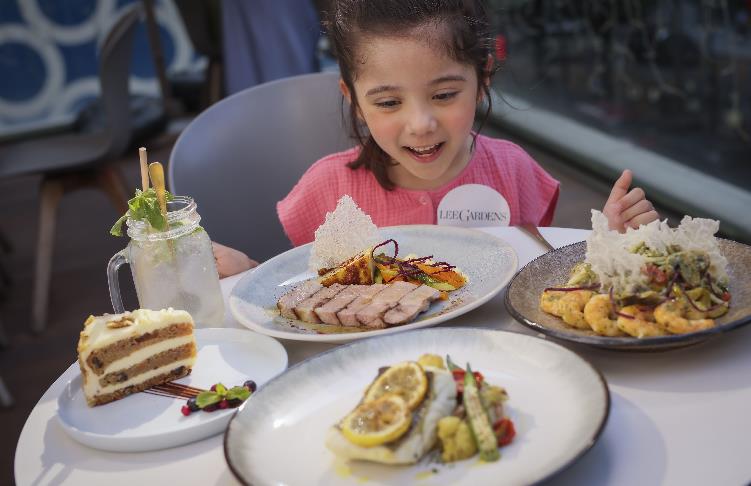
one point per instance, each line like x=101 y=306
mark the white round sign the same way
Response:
x=472 y=205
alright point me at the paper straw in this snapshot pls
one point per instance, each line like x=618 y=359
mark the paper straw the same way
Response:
x=144 y=168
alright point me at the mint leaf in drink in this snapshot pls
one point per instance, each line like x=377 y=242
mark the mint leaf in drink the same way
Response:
x=117 y=228
x=143 y=207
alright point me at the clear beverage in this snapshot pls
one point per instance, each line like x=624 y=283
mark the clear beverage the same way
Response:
x=173 y=268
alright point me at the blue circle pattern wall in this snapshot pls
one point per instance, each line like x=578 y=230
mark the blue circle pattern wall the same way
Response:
x=48 y=54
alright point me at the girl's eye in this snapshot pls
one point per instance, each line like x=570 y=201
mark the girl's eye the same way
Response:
x=387 y=103
x=445 y=96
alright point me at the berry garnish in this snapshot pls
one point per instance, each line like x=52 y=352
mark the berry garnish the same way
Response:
x=219 y=397
x=250 y=385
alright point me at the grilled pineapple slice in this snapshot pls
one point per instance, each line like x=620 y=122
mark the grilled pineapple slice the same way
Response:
x=358 y=270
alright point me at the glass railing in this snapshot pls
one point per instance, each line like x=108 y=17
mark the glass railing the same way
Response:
x=663 y=78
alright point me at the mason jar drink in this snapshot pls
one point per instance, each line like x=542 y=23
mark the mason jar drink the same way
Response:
x=171 y=268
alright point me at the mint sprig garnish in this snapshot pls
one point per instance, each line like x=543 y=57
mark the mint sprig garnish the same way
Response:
x=238 y=393
x=207 y=398
x=143 y=207
x=221 y=392
x=219 y=397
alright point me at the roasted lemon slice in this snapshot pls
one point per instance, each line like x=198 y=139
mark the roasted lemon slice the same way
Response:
x=407 y=379
x=374 y=423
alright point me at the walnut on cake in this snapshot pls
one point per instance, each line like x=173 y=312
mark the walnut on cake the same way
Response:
x=121 y=354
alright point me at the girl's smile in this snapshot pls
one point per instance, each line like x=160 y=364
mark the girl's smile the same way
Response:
x=427 y=154
x=418 y=104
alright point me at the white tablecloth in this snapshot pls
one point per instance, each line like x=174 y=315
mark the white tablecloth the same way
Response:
x=677 y=417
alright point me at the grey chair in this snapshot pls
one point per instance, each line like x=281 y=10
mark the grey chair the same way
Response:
x=70 y=161
x=245 y=153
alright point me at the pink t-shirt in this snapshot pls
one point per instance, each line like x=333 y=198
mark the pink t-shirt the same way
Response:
x=531 y=192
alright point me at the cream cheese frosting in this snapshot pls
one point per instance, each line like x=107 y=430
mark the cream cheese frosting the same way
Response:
x=97 y=333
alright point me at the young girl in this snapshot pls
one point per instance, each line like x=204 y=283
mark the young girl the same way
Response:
x=414 y=73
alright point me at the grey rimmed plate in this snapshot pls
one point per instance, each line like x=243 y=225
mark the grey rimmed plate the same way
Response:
x=488 y=262
x=278 y=435
x=552 y=269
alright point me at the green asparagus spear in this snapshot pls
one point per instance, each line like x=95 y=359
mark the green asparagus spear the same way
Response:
x=479 y=422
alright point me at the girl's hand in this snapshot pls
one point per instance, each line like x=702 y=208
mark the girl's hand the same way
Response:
x=230 y=261
x=628 y=209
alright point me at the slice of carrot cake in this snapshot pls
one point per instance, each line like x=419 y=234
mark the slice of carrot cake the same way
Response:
x=120 y=354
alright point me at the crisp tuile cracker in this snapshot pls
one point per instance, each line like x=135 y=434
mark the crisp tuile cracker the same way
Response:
x=346 y=231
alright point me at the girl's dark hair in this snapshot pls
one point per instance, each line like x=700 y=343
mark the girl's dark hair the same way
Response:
x=468 y=41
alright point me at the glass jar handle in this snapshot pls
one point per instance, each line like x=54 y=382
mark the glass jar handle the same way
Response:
x=117 y=260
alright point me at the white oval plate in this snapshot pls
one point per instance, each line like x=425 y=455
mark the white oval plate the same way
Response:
x=489 y=262
x=145 y=422
x=559 y=404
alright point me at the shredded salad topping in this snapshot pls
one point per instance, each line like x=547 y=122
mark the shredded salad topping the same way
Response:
x=630 y=262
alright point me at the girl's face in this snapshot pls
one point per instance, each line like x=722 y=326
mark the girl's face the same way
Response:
x=419 y=106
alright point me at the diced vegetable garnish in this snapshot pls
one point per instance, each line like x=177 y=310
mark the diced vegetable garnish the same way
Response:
x=432 y=360
x=456 y=438
x=504 y=431
x=439 y=275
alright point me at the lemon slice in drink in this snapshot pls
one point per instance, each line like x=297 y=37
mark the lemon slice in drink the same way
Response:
x=377 y=422
x=407 y=379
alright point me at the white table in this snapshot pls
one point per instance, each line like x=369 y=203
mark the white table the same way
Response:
x=677 y=417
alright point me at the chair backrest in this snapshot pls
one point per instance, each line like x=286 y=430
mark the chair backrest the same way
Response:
x=245 y=153
x=115 y=57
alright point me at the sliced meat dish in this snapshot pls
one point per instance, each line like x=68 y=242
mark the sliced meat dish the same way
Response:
x=373 y=306
x=410 y=305
x=348 y=315
x=304 y=310
x=371 y=315
x=327 y=312
x=291 y=299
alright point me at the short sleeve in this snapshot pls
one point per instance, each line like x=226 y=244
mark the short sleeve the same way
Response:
x=538 y=193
